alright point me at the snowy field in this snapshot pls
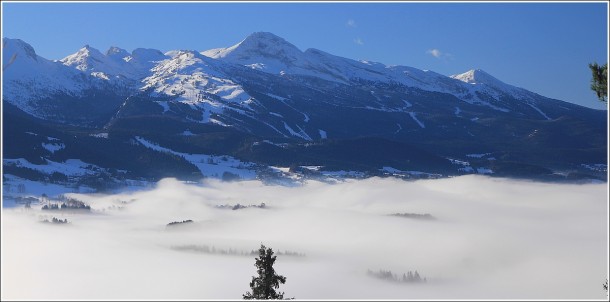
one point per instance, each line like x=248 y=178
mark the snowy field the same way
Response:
x=490 y=239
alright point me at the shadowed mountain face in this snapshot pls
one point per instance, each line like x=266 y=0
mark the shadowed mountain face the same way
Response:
x=266 y=102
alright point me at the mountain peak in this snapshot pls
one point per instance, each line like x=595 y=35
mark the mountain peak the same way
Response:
x=145 y=51
x=477 y=76
x=255 y=46
x=266 y=42
x=262 y=35
x=12 y=47
x=88 y=50
x=83 y=58
x=88 y=47
x=114 y=51
x=148 y=55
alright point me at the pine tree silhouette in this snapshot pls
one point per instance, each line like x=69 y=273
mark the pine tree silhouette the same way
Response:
x=264 y=286
x=599 y=81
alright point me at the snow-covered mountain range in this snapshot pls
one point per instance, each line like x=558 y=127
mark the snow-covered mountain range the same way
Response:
x=189 y=73
x=267 y=89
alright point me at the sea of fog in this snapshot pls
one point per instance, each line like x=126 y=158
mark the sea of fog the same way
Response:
x=491 y=239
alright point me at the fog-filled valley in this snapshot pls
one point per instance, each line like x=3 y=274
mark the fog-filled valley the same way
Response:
x=469 y=236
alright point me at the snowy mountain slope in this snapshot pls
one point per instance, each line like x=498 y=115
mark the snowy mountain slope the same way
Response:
x=265 y=89
x=57 y=92
x=20 y=62
x=292 y=93
x=92 y=61
x=212 y=80
x=116 y=64
x=209 y=165
x=117 y=53
x=193 y=79
x=27 y=77
x=144 y=59
x=271 y=54
x=483 y=80
x=478 y=77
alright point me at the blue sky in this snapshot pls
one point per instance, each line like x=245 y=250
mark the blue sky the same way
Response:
x=543 y=47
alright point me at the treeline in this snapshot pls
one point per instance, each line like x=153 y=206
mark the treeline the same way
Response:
x=409 y=277
x=173 y=223
x=239 y=206
x=414 y=216
x=70 y=204
x=56 y=221
x=233 y=252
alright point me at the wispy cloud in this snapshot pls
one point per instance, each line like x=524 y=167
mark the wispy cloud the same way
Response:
x=351 y=23
x=434 y=52
x=358 y=41
x=437 y=53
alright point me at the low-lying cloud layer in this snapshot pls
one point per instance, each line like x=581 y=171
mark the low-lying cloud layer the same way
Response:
x=491 y=239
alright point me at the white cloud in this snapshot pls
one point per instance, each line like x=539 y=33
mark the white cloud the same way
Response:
x=492 y=239
x=435 y=52
x=351 y=23
x=358 y=41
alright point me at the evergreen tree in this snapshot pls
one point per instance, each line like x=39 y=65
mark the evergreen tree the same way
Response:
x=416 y=277
x=599 y=82
x=264 y=286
